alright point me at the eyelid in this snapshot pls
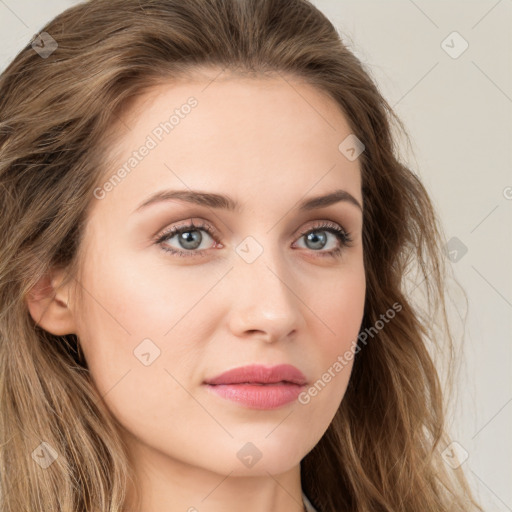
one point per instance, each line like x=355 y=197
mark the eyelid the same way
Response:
x=324 y=224
x=203 y=224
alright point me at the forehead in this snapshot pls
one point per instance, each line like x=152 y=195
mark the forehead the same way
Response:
x=255 y=137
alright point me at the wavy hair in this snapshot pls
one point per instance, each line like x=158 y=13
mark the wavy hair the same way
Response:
x=382 y=451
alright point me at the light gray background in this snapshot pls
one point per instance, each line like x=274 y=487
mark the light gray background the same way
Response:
x=458 y=112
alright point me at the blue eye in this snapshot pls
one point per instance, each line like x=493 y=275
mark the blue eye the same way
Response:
x=190 y=238
x=342 y=236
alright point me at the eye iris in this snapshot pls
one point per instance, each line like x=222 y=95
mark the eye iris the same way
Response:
x=190 y=239
x=313 y=237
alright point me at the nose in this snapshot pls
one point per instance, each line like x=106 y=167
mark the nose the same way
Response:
x=265 y=304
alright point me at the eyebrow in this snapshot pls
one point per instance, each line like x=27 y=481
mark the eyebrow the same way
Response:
x=220 y=201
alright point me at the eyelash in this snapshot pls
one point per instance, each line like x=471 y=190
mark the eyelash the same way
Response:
x=343 y=236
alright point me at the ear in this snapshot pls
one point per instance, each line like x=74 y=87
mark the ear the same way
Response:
x=48 y=304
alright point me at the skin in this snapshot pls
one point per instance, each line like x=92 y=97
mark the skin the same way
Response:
x=268 y=143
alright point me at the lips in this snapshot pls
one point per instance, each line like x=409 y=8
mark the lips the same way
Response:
x=258 y=386
x=260 y=374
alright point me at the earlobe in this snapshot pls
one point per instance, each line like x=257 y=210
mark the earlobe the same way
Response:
x=48 y=305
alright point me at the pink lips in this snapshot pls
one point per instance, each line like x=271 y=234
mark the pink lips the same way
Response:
x=258 y=386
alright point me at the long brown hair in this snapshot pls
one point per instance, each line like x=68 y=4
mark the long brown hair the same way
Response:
x=382 y=451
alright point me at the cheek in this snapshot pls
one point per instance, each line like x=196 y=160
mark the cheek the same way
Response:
x=142 y=297
x=135 y=324
x=131 y=362
x=340 y=310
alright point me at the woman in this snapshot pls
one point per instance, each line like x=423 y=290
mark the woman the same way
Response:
x=207 y=236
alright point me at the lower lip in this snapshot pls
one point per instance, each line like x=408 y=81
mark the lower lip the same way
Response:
x=267 y=396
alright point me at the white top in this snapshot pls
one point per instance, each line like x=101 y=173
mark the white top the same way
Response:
x=308 y=505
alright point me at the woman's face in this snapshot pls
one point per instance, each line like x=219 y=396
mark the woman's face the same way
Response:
x=250 y=286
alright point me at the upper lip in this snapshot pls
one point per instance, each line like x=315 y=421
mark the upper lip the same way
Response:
x=260 y=374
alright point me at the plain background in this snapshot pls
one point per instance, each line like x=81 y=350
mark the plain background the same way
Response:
x=458 y=113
